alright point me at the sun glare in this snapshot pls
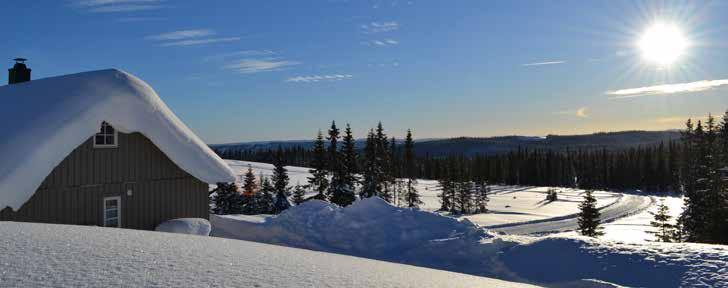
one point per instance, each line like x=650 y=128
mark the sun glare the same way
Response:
x=662 y=44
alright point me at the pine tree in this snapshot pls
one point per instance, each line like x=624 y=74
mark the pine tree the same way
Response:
x=227 y=199
x=383 y=163
x=481 y=196
x=665 y=230
x=280 y=184
x=341 y=189
x=318 y=180
x=589 y=223
x=371 y=185
x=250 y=188
x=299 y=194
x=280 y=175
x=412 y=196
x=264 y=199
x=349 y=165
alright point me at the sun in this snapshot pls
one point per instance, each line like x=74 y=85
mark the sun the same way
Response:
x=662 y=44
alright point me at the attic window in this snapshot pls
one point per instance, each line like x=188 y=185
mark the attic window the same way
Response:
x=107 y=137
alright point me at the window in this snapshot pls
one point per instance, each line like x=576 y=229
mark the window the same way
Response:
x=112 y=211
x=107 y=137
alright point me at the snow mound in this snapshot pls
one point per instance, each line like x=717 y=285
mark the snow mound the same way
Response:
x=42 y=121
x=369 y=228
x=45 y=255
x=192 y=226
x=559 y=261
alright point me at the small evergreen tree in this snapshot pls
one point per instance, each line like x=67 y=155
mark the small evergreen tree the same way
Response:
x=371 y=184
x=318 y=180
x=227 y=199
x=589 y=223
x=264 y=199
x=481 y=197
x=250 y=188
x=412 y=196
x=299 y=194
x=349 y=160
x=665 y=230
x=280 y=175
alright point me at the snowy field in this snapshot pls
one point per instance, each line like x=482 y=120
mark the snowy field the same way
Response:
x=508 y=204
x=372 y=228
x=48 y=255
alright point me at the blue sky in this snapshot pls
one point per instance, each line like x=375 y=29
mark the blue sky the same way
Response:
x=271 y=70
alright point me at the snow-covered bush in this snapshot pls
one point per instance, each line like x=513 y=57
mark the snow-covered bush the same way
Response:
x=192 y=226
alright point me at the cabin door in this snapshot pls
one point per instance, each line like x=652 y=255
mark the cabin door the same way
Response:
x=112 y=211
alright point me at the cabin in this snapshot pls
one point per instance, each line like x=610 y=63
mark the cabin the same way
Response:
x=99 y=148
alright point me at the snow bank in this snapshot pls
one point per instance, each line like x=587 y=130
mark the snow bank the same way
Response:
x=42 y=121
x=192 y=226
x=44 y=255
x=369 y=228
x=561 y=260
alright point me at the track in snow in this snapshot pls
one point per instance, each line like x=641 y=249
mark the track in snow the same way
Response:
x=625 y=206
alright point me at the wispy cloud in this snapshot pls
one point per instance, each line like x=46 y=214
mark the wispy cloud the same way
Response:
x=193 y=42
x=582 y=112
x=181 y=34
x=319 y=78
x=242 y=53
x=111 y=6
x=381 y=43
x=249 y=66
x=190 y=37
x=138 y=19
x=696 y=86
x=543 y=63
x=379 y=27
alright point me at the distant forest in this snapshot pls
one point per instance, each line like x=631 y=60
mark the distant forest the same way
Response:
x=632 y=160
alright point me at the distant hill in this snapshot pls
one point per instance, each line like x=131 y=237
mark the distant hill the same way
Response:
x=495 y=145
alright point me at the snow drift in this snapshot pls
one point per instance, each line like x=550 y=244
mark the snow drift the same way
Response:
x=191 y=226
x=45 y=255
x=369 y=228
x=560 y=261
x=42 y=121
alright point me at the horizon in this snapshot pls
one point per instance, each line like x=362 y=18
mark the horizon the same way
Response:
x=255 y=71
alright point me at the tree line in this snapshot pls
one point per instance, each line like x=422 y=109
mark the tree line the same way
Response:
x=339 y=174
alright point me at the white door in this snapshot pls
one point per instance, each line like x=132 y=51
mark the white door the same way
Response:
x=112 y=211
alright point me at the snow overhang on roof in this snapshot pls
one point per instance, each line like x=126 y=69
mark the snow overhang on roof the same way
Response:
x=43 y=121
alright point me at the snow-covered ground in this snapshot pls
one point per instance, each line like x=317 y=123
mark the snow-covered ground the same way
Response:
x=508 y=204
x=47 y=255
x=371 y=228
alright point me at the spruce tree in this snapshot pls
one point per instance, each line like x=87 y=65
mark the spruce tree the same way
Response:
x=665 y=231
x=481 y=196
x=318 y=180
x=250 y=188
x=589 y=223
x=299 y=194
x=371 y=185
x=227 y=199
x=264 y=199
x=341 y=190
x=280 y=184
x=349 y=163
x=412 y=196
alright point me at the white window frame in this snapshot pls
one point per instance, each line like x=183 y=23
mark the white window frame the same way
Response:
x=118 y=211
x=116 y=137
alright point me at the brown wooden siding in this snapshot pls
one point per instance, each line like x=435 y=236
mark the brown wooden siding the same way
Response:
x=74 y=191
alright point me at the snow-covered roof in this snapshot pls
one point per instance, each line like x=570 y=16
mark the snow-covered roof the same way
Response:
x=43 y=121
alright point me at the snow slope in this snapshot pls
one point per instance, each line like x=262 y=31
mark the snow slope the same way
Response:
x=46 y=255
x=369 y=228
x=559 y=261
x=372 y=228
x=42 y=121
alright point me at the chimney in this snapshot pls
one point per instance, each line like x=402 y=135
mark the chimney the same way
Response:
x=19 y=73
